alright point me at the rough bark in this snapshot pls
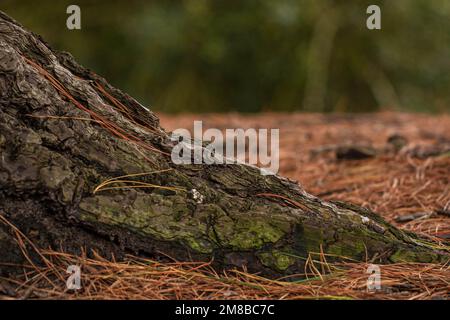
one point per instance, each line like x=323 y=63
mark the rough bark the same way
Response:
x=64 y=130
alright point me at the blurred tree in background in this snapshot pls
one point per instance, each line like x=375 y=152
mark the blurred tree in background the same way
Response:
x=249 y=55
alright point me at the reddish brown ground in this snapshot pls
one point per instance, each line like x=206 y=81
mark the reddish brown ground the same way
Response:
x=394 y=184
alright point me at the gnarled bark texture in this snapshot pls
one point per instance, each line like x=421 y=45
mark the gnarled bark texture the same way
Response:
x=64 y=130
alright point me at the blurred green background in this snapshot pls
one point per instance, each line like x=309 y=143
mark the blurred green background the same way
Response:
x=250 y=56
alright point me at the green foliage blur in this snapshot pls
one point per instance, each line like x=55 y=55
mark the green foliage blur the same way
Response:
x=251 y=56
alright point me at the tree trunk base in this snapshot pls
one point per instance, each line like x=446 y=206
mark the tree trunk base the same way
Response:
x=69 y=141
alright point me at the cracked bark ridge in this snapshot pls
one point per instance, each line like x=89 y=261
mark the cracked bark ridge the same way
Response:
x=64 y=130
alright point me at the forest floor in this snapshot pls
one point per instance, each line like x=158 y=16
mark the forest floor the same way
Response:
x=398 y=165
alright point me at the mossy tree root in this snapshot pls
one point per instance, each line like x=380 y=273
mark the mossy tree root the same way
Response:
x=64 y=130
